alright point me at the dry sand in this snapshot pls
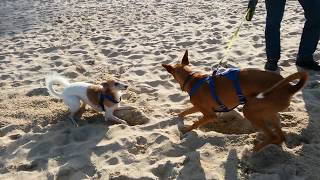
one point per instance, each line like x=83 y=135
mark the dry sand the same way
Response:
x=88 y=40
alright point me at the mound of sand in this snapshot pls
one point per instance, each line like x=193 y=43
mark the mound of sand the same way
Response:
x=230 y=123
x=132 y=116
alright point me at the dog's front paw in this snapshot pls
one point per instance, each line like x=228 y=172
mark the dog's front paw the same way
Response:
x=181 y=115
x=117 y=120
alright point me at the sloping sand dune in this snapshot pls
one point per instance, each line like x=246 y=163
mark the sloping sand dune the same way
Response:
x=129 y=40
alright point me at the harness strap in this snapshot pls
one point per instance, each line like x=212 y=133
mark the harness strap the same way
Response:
x=106 y=96
x=209 y=79
x=215 y=96
x=196 y=86
x=233 y=75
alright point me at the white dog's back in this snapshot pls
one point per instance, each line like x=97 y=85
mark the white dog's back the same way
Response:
x=78 y=89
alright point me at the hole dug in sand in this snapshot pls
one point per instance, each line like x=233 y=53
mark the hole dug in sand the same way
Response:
x=230 y=123
x=132 y=116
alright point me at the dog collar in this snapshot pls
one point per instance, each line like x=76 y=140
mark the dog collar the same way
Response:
x=187 y=80
x=108 y=97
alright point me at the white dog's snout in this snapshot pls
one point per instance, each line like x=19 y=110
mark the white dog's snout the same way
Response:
x=121 y=86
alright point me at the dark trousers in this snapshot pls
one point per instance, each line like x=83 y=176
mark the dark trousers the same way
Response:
x=311 y=31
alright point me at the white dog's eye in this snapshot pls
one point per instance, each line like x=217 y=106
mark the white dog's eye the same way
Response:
x=116 y=84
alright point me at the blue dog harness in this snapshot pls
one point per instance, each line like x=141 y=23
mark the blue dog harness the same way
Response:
x=106 y=96
x=231 y=74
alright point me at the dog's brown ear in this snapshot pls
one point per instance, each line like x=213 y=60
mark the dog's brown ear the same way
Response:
x=185 y=60
x=105 y=85
x=168 y=67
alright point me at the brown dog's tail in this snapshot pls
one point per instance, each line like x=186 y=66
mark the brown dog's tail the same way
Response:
x=284 y=85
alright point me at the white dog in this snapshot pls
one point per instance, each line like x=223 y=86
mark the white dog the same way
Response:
x=105 y=97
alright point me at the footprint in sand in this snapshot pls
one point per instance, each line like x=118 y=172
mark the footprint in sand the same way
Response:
x=118 y=41
x=99 y=38
x=114 y=54
x=113 y=161
x=15 y=136
x=27 y=167
x=49 y=50
x=4 y=77
x=58 y=63
x=41 y=149
x=136 y=56
x=55 y=57
x=105 y=52
x=78 y=52
x=156 y=83
x=176 y=97
x=71 y=74
x=139 y=72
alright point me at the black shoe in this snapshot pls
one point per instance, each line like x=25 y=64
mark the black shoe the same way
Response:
x=271 y=65
x=309 y=65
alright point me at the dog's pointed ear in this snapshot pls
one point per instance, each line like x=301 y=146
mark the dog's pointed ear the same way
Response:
x=185 y=59
x=168 y=67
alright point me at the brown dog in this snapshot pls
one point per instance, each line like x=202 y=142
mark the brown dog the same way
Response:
x=266 y=94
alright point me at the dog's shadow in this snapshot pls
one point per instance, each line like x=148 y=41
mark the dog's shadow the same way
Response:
x=60 y=144
x=310 y=136
x=192 y=163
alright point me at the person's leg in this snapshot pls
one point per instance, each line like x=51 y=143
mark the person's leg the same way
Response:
x=275 y=10
x=310 y=35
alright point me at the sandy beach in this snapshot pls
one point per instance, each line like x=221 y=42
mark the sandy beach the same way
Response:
x=93 y=40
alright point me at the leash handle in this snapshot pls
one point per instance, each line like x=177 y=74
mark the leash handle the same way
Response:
x=251 y=8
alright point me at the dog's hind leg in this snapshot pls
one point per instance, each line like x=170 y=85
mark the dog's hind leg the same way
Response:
x=260 y=123
x=188 y=111
x=81 y=110
x=74 y=107
x=268 y=136
x=275 y=122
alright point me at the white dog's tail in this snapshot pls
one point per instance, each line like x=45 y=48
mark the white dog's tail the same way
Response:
x=55 y=78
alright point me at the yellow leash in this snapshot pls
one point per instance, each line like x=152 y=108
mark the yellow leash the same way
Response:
x=232 y=39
